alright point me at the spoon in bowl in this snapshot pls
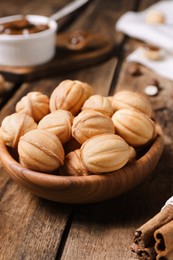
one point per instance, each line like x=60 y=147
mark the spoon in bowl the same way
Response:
x=30 y=49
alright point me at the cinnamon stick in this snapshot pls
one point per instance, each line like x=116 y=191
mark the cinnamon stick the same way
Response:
x=145 y=234
x=164 y=241
x=147 y=253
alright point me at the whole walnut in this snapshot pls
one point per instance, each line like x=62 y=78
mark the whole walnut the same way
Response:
x=14 y=126
x=2 y=81
x=70 y=95
x=135 y=127
x=58 y=122
x=4 y=84
x=133 y=100
x=104 y=153
x=34 y=104
x=40 y=150
x=90 y=123
x=74 y=165
x=100 y=104
x=155 y=17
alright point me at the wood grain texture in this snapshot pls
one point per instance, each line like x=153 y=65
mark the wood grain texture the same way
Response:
x=106 y=228
x=64 y=60
x=102 y=230
x=83 y=189
x=56 y=229
x=44 y=226
x=25 y=224
x=31 y=7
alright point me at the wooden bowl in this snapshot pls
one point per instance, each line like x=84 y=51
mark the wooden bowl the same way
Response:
x=84 y=189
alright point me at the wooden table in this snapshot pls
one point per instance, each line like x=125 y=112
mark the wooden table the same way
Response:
x=33 y=228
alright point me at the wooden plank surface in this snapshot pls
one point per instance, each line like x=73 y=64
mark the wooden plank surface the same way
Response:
x=105 y=230
x=63 y=61
x=33 y=228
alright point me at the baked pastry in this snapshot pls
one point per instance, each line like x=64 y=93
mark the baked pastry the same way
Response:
x=70 y=95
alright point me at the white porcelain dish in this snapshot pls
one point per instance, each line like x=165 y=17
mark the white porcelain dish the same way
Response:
x=30 y=49
x=35 y=48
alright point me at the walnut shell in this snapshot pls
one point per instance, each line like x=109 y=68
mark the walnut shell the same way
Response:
x=34 y=104
x=135 y=127
x=14 y=126
x=152 y=52
x=2 y=81
x=70 y=95
x=100 y=104
x=132 y=100
x=104 y=153
x=40 y=150
x=90 y=123
x=155 y=17
x=58 y=122
x=74 y=165
x=4 y=85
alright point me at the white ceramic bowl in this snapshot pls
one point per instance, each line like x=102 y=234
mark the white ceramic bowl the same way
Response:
x=30 y=49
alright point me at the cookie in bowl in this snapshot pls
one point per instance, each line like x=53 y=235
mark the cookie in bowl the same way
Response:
x=102 y=166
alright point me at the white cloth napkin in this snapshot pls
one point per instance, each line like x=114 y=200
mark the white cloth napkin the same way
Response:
x=164 y=67
x=168 y=202
x=160 y=35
